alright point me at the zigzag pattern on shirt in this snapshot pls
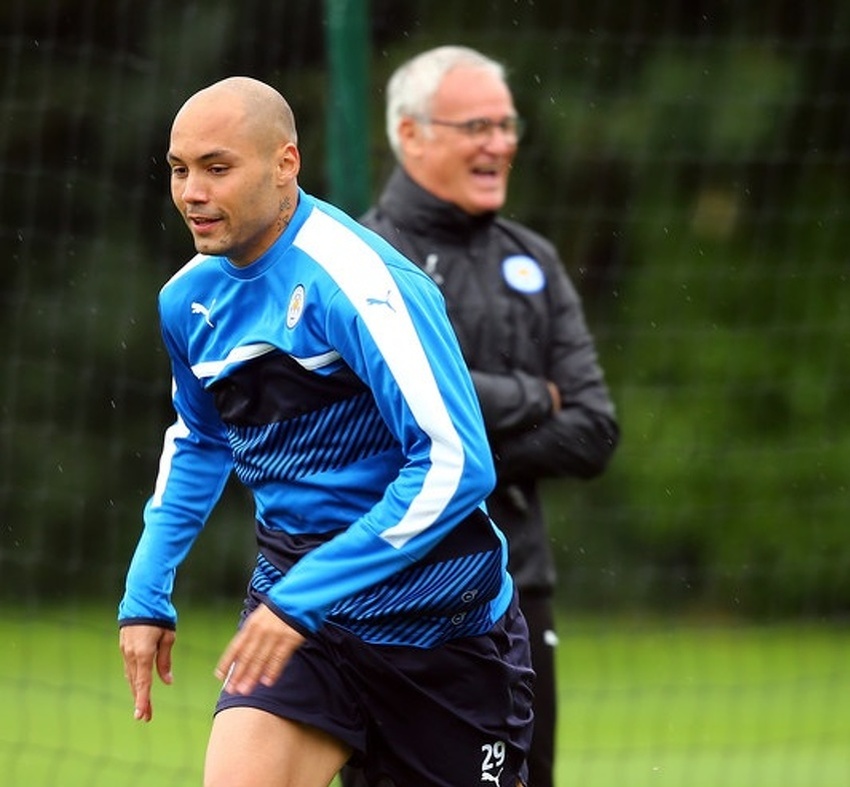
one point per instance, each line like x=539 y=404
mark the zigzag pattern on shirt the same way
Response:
x=449 y=599
x=317 y=442
x=426 y=631
x=449 y=587
x=425 y=605
x=265 y=575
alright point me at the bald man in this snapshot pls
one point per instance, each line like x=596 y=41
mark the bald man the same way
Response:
x=317 y=363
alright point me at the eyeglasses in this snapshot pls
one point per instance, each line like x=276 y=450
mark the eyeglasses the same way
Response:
x=481 y=129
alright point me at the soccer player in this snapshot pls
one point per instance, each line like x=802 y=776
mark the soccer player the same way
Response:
x=454 y=129
x=318 y=364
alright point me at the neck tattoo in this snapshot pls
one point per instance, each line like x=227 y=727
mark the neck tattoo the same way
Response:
x=285 y=215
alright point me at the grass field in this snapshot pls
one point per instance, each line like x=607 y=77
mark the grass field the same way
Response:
x=643 y=703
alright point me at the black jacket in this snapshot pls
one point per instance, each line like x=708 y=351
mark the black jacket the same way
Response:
x=520 y=323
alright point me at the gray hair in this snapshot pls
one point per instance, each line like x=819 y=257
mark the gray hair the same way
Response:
x=412 y=86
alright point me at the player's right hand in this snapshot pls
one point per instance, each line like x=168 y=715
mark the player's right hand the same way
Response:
x=142 y=647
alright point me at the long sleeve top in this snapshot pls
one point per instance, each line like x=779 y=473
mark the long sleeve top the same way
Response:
x=326 y=375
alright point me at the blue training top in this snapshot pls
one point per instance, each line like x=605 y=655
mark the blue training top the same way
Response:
x=327 y=376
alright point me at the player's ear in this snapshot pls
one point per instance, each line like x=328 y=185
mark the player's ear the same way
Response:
x=288 y=162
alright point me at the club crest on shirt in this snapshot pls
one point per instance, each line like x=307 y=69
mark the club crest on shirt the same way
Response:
x=523 y=273
x=296 y=307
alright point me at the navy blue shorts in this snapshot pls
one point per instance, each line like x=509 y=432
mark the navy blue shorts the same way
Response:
x=458 y=714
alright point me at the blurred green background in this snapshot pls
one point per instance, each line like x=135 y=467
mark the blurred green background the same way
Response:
x=644 y=703
x=690 y=160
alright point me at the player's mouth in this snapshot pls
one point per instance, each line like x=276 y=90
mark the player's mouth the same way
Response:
x=202 y=224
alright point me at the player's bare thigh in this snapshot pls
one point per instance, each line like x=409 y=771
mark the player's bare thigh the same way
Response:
x=249 y=747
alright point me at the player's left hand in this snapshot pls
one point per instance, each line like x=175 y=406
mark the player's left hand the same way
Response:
x=258 y=653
